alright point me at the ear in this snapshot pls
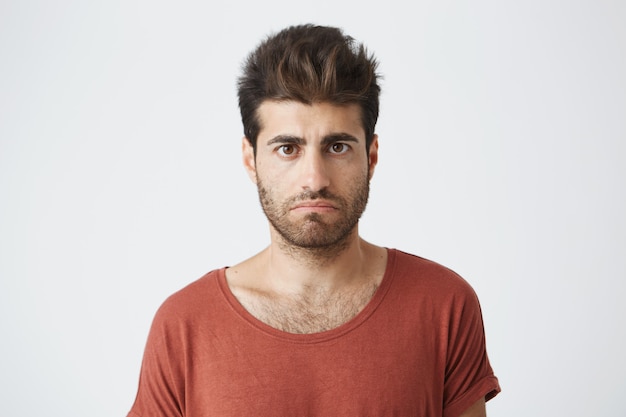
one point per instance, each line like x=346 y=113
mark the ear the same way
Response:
x=373 y=156
x=247 y=154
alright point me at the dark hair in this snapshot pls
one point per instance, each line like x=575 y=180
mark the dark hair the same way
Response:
x=309 y=64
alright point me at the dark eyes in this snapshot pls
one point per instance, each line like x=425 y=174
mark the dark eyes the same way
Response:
x=287 y=150
x=337 y=148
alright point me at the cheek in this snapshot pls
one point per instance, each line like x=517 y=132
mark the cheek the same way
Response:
x=277 y=176
x=269 y=176
x=274 y=183
x=352 y=173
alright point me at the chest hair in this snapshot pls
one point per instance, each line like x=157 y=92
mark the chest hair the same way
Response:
x=312 y=312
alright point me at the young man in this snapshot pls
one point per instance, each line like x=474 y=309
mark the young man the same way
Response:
x=321 y=322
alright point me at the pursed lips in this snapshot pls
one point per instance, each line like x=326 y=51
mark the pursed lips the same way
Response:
x=314 y=205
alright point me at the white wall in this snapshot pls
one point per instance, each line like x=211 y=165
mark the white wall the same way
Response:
x=503 y=145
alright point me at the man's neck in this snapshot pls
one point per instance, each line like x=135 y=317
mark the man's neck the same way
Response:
x=301 y=295
x=287 y=270
x=295 y=269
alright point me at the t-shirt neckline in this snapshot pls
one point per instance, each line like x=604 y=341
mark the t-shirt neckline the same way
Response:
x=318 y=337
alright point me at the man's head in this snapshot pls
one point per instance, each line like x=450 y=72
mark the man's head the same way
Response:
x=309 y=64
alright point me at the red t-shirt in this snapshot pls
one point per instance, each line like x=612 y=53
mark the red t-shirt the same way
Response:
x=417 y=349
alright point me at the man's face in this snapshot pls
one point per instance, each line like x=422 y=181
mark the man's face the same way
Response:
x=312 y=171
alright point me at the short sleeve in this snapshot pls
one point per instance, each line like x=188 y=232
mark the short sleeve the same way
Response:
x=161 y=388
x=469 y=375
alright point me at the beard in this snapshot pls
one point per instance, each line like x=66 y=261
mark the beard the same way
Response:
x=312 y=231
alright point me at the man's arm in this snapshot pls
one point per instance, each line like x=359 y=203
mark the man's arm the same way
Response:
x=476 y=410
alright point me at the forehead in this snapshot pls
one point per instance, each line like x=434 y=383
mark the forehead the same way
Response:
x=309 y=121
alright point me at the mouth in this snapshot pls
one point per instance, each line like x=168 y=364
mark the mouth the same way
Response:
x=315 y=206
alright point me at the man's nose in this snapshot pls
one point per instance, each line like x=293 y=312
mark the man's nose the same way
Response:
x=315 y=175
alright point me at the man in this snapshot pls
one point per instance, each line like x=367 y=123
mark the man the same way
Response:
x=321 y=322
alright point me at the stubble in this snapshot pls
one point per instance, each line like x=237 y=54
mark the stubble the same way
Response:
x=313 y=236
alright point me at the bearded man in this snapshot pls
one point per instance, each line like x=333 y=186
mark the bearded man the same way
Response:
x=321 y=322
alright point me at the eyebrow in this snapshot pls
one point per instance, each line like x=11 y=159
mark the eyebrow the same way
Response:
x=328 y=139
x=286 y=139
x=338 y=137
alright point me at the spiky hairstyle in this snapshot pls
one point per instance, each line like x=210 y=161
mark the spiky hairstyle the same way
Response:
x=309 y=64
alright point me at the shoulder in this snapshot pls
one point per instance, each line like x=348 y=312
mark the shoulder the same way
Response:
x=426 y=272
x=422 y=279
x=192 y=300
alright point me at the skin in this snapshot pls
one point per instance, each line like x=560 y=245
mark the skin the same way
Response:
x=477 y=409
x=312 y=170
x=284 y=268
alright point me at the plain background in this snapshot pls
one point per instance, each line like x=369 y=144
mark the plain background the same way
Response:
x=502 y=156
